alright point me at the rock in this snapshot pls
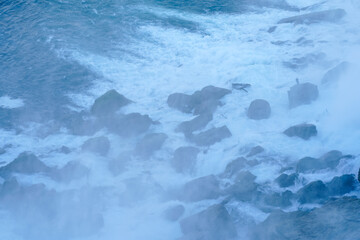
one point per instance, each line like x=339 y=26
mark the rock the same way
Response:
x=9 y=187
x=200 y=102
x=342 y=185
x=109 y=103
x=333 y=15
x=279 y=200
x=184 y=159
x=304 y=131
x=259 y=109
x=25 y=163
x=195 y=124
x=234 y=167
x=73 y=170
x=65 y=150
x=359 y=175
x=309 y=164
x=331 y=159
x=302 y=94
x=337 y=219
x=244 y=187
x=255 y=151
x=272 y=29
x=99 y=145
x=173 y=214
x=200 y=189
x=314 y=192
x=285 y=180
x=118 y=165
x=129 y=125
x=211 y=136
x=334 y=74
x=303 y=62
x=213 y=223
x=149 y=144
x=241 y=86
x=80 y=124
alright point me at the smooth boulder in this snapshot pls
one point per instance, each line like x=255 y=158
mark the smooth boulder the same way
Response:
x=302 y=94
x=211 y=136
x=304 y=131
x=109 y=103
x=259 y=109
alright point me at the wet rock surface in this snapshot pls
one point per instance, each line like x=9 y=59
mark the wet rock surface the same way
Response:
x=184 y=159
x=211 y=136
x=333 y=15
x=99 y=145
x=202 y=188
x=304 y=131
x=285 y=180
x=302 y=94
x=259 y=109
x=194 y=124
x=149 y=144
x=109 y=103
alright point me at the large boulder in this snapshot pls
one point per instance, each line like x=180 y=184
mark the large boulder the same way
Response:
x=279 y=199
x=304 y=131
x=244 y=187
x=194 y=124
x=314 y=192
x=259 y=109
x=333 y=15
x=211 y=136
x=149 y=144
x=99 y=145
x=109 y=103
x=331 y=159
x=25 y=163
x=213 y=223
x=337 y=219
x=285 y=180
x=302 y=94
x=174 y=213
x=129 y=125
x=184 y=159
x=307 y=164
x=334 y=74
x=255 y=151
x=234 y=167
x=342 y=185
x=199 y=189
x=201 y=102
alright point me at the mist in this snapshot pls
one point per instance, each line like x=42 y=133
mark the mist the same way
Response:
x=184 y=120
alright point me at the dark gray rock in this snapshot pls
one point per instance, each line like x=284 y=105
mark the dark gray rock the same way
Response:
x=211 y=136
x=259 y=109
x=174 y=213
x=194 y=124
x=272 y=29
x=241 y=86
x=314 y=192
x=331 y=159
x=234 y=167
x=279 y=199
x=200 y=189
x=304 y=131
x=25 y=163
x=184 y=159
x=309 y=164
x=334 y=74
x=73 y=170
x=255 y=151
x=109 y=103
x=285 y=180
x=359 y=175
x=200 y=102
x=214 y=223
x=333 y=15
x=337 y=219
x=302 y=94
x=342 y=185
x=244 y=187
x=149 y=144
x=129 y=125
x=99 y=145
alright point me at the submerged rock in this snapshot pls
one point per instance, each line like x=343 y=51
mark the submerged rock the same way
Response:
x=118 y=165
x=99 y=145
x=342 y=185
x=259 y=109
x=333 y=15
x=194 y=124
x=304 y=93
x=25 y=163
x=73 y=170
x=211 y=136
x=279 y=199
x=109 y=103
x=234 y=167
x=255 y=151
x=337 y=219
x=204 y=101
x=334 y=74
x=285 y=180
x=244 y=187
x=149 y=144
x=314 y=192
x=129 y=125
x=184 y=159
x=213 y=223
x=304 y=131
x=331 y=159
x=174 y=213
x=328 y=160
x=200 y=189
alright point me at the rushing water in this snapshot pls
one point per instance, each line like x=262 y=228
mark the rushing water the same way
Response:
x=58 y=56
